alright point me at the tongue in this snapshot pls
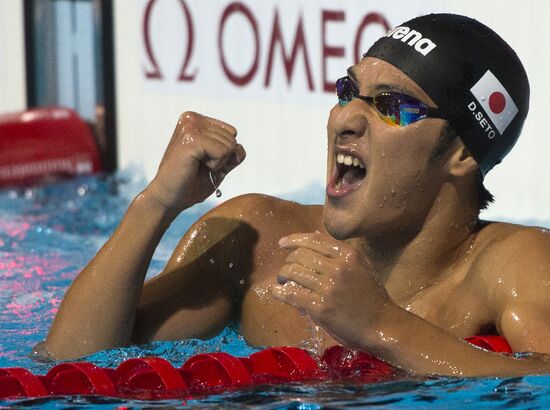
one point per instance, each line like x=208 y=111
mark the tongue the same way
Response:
x=352 y=176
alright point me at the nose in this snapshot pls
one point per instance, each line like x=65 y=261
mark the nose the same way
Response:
x=349 y=121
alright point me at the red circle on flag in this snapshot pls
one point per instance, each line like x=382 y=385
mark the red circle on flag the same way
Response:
x=497 y=102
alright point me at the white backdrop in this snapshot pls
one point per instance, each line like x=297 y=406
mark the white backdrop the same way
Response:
x=12 y=57
x=282 y=121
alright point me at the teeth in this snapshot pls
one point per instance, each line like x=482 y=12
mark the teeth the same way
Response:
x=349 y=160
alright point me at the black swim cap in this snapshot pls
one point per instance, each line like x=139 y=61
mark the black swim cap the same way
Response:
x=472 y=74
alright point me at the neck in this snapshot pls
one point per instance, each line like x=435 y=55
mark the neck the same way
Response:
x=419 y=258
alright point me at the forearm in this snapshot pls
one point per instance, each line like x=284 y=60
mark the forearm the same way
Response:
x=98 y=310
x=414 y=344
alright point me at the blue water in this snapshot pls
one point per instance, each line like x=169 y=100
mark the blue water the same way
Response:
x=48 y=234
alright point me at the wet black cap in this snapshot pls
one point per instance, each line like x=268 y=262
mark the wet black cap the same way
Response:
x=470 y=72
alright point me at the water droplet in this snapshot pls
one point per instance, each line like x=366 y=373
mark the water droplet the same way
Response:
x=218 y=191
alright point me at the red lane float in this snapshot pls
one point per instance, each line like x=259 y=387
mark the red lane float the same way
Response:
x=283 y=364
x=45 y=142
x=155 y=378
x=81 y=378
x=494 y=343
x=346 y=363
x=216 y=371
x=149 y=378
x=18 y=382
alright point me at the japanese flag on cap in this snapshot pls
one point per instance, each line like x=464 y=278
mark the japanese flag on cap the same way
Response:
x=495 y=100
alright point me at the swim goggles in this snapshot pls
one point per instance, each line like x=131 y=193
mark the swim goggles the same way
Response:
x=394 y=108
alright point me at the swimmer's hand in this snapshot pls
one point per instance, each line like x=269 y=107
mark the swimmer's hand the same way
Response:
x=199 y=145
x=333 y=283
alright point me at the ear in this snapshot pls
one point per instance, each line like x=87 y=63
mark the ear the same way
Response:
x=461 y=162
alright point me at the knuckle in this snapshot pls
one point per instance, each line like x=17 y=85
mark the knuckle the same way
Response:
x=294 y=267
x=229 y=128
x=230 y=147
x=189 y=116
x=290 y=257
x=300 y=252
x=232 y=130
x=295 y=255
x=287 y=269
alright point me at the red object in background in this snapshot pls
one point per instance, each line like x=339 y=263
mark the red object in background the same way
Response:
x=45 y=142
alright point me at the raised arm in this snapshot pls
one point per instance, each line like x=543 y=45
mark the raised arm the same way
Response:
x=99 y=309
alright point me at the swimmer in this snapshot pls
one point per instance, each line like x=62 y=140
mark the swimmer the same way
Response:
x=396 y=262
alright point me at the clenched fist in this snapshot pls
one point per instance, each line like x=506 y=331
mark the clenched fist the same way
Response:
x=199 y=145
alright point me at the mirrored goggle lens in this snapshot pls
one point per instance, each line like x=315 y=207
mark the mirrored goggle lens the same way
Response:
x=345 y=90
x=399 y=110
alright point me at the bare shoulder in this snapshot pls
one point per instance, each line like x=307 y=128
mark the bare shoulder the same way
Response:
x=259 y=203
x=511 y=242
x=243 y=222
x=514 y=260
x=264 y=212
x=513 y=269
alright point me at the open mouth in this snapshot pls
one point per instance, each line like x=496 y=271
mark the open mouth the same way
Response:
x=348 y=174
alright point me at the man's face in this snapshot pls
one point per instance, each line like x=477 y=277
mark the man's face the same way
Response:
x=400 y=184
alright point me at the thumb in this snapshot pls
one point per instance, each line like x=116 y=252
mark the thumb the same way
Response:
x=236 y=159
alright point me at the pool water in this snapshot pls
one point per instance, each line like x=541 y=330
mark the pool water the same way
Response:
x=47 y=234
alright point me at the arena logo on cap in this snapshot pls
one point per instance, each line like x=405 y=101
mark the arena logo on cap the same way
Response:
x=413 y=38
x=495 y=101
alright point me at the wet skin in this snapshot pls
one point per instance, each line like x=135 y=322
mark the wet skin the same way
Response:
x=396 y=263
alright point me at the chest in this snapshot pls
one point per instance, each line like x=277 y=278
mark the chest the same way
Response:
x=266 y=321
x=458 y=304
x=461 y=309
